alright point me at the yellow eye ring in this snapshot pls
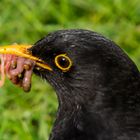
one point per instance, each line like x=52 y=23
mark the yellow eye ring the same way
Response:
x=63 y=62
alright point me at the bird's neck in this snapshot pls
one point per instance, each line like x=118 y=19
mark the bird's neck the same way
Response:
x=114 y=103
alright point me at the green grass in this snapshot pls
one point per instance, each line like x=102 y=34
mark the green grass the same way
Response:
x=30 y=116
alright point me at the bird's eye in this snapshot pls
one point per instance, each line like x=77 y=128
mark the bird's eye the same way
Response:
x=63 y=62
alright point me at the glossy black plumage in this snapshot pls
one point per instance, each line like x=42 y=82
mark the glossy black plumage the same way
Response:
x=99 y=97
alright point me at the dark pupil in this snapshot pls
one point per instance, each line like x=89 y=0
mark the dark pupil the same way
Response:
x=63 y=62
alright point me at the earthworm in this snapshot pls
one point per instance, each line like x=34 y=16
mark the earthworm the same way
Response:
x=18 y=69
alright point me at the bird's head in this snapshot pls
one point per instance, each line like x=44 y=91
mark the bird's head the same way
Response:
x=79 y=64
x=70 y=56
x=84 y=64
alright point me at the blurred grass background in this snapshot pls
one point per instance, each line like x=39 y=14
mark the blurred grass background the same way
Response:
x=30 y=116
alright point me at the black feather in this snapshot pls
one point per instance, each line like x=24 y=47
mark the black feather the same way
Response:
x=99 y=97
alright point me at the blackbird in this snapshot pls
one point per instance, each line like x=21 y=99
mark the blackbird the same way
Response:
x=97 y=85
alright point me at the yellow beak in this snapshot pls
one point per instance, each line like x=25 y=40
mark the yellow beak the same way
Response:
x=22 y=51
